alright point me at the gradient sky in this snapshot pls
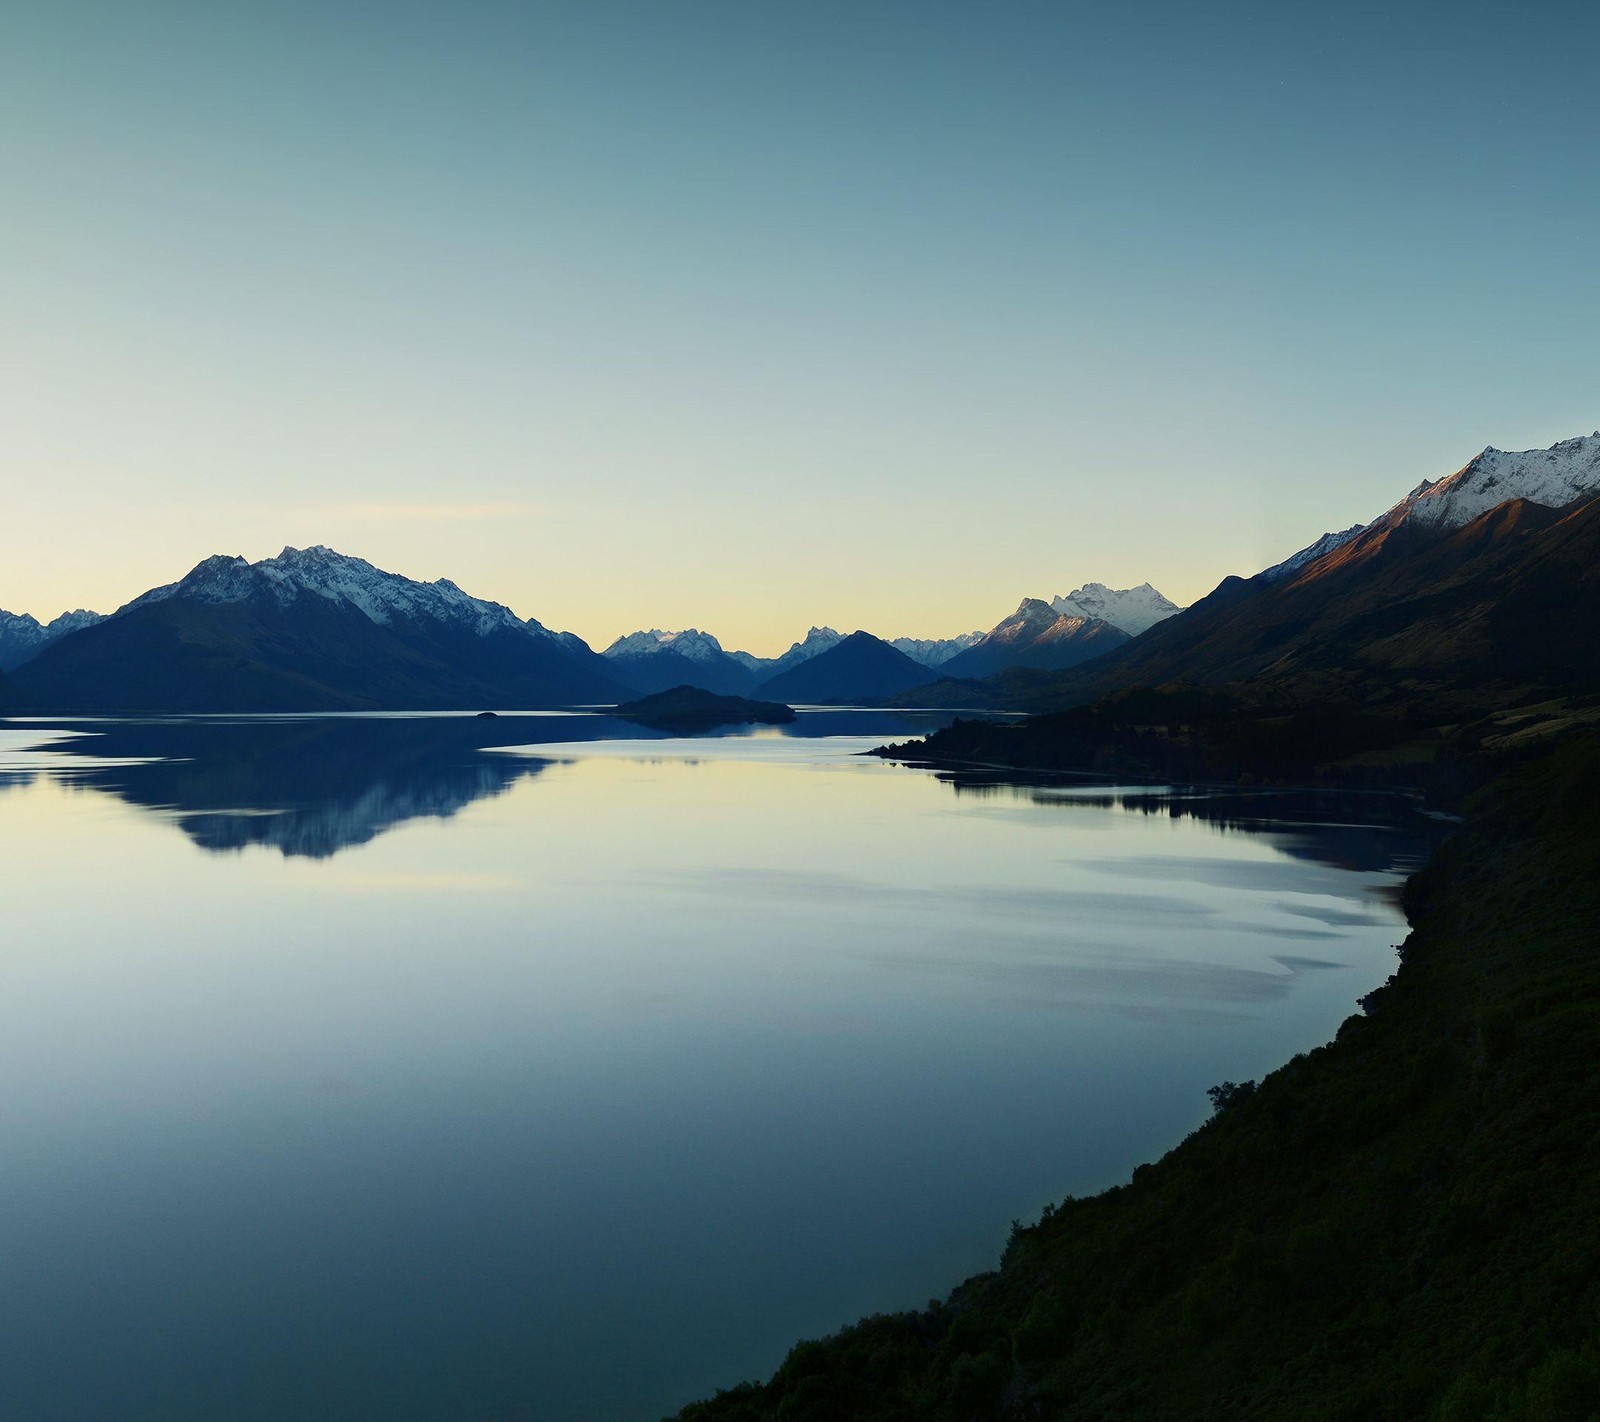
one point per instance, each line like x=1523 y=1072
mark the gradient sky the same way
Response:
x=751 y=315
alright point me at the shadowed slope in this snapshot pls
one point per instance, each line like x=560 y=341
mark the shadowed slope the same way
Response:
x=861 y=668
x=261 y=653
x=1513 y=596
x=1396 y=1226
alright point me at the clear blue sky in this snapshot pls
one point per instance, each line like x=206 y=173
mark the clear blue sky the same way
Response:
x=748 y=315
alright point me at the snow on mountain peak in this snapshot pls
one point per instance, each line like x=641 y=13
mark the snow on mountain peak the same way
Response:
x=1311 y=552
x=23 y=636
x=319 y=571
x=1130 y=610
x=936 y=651
x=691 y=643
x=816 y=641
x=1567 y=471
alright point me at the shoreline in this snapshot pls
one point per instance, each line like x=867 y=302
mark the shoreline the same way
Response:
x=1265 y=1256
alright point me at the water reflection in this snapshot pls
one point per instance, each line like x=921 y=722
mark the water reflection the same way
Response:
x=703 y=1056
x=1364 y=831
x=312 y=786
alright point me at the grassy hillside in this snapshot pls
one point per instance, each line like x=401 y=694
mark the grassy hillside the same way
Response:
x=1404 y=1224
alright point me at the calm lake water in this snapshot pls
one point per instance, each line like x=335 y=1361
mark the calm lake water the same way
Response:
x=424 y=1067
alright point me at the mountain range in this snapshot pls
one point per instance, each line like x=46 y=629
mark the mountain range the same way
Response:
x=1036 y=635
x=1484 y=585
x=1473 y=574
x=311 y=630
x=23 y=636
x=861 y=667
x=317 y=630
x=1130 y=610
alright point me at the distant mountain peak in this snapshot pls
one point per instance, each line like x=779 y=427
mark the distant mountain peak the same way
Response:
x=315 y=629
x=935 y=651
x=320 y=571
x=691 y=643
x=23 y=636
x=1130 y=610
x=859 y=666
x=816 y=641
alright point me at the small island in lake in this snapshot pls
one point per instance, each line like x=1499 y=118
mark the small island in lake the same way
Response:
x=688 y=708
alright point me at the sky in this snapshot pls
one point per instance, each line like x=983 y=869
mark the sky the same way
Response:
x=750 y=315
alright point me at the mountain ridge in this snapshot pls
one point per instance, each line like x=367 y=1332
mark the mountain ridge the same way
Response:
x=312 y=630
x=859 y=668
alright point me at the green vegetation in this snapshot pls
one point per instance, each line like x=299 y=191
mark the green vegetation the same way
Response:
x=1403 y=1224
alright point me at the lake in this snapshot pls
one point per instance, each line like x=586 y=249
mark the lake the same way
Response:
x=545 y=1067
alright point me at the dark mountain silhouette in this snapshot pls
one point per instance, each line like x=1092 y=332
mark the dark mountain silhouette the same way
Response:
x=1509 y=598
x=312 y=630
x=23 y=636
x=1035 y=635
x=662 y=670
x=658 y=660
x=861 y=668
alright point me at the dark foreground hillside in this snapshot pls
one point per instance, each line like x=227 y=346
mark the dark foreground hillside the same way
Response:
x=1404 y=1224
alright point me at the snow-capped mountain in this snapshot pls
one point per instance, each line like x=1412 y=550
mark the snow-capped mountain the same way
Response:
x=854 y=669
x=1309 y=554
x=1037 y=636
x=1554 y=477
x=1566 y=472
x=23 y=636
x=314 y=630
x=933 y=652
x=695 y=645
x=658 y=661
x=381 y=597
x=817 y=641
x=1130 y=610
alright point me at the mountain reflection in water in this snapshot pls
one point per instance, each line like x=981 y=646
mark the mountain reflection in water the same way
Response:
x=1365 y=831
x=706 y=1044
x=311 y=786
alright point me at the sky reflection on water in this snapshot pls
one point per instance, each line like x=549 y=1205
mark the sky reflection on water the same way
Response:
x=354 y=1069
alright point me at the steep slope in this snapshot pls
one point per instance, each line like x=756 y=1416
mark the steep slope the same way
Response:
x=1130 y=610
x=860 y=668
x=1395 y=1227
x=814 y=643
x=1565 y=473
x=658 y=661
x=23 y=636
x=1510 y=597
x=1309 y=554
x=1554 y=477
x=313 y=630
x=1038 y=636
